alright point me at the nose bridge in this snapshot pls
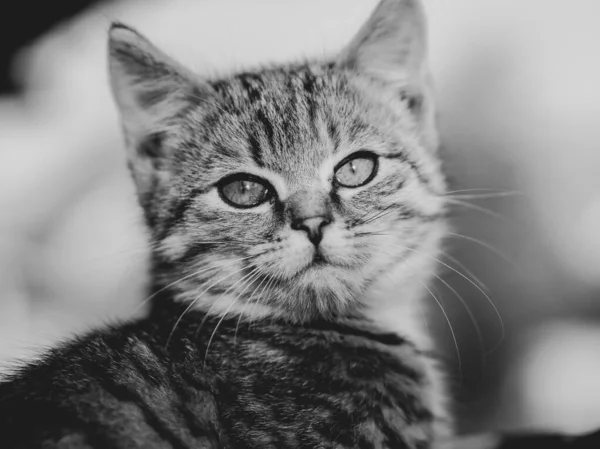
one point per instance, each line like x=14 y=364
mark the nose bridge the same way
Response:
x=305 y=204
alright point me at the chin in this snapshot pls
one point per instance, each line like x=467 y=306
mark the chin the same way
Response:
x=322 y=291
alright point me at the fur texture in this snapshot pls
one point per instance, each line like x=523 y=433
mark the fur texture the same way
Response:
x=291 y=320
x=223 y=384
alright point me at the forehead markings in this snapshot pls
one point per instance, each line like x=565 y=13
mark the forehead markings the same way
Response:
x=295 y=116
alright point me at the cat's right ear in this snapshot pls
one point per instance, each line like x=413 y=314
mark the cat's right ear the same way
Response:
x=150 y=89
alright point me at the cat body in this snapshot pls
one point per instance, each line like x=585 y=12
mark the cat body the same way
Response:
x=258 y=385
x=296 y=213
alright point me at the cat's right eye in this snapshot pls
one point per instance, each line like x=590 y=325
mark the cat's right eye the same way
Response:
x=244 y=190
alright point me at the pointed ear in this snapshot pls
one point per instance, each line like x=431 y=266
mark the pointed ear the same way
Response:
x=392 y=48
x=150 y=89
x=148 y=86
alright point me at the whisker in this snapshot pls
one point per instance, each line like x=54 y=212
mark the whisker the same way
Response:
x=502 y=334
x=485 y=196
x=192 y=303
x=244 y=278
x=363 y=217
x=239 y=320
x=195 y=273
x=466 y=270
x=259 y=297
x=377 y=215
x=502 y=327
x=482 y=243
x=459 y=359
x=477 y=208
x=490 y=192
x=366 y=233
x=207 y=314
x=481 y=290
x=468 y=309
x=212 y=335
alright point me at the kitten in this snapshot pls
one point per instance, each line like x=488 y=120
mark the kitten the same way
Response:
x=296 y=212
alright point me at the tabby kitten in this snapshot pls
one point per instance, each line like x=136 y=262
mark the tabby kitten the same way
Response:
x=295 y=214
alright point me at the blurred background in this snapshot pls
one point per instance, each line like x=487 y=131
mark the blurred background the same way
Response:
x=519 y=100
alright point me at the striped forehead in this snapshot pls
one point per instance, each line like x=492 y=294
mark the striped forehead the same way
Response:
x=288 y=125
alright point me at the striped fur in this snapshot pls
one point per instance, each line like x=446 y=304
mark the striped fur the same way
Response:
x=263 y=385
x=260 y=338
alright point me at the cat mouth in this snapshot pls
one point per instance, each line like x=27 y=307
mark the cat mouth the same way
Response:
x=319 y=263
x=319 y=259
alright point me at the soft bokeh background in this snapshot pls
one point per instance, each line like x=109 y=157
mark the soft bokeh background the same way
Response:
x=519 y=99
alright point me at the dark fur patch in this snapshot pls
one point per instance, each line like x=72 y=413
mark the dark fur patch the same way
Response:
x=148 y=384
x=151 y=146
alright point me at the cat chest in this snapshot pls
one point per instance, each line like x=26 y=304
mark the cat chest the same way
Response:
x=327 y=396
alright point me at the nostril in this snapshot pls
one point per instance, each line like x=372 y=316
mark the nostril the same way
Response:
x=313 y=227
x=325 y=222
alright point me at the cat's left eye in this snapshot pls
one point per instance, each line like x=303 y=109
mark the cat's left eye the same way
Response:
x=356 y=170
x=244 y=190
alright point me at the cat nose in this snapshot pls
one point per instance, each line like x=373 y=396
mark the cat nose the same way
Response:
x=313 y=226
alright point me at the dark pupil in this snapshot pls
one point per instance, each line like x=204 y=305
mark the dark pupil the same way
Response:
x=244 y=187
x=244 y=192
x=353 y=167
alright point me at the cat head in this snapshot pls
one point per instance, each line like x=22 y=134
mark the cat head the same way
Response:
x=292 y=190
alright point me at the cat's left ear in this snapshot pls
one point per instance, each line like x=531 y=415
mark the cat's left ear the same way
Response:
x=392 y=48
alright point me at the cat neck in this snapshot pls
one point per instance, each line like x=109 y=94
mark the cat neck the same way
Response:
x=399 y=302
x=388 y=316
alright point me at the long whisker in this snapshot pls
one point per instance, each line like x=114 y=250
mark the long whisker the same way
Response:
x=477 y=208
x=246 y=277
x=472 y=283
x=463 y=302
x=459 y=359
x=467 y=308
x=237 y=325
x=466 y=270
x=271 y=287
x=259 y=297
x=497 y=312
x=478 y=287
x=192 y=303
x=484 y=193
x=484 y=196
x=212 y=335
x=482 y=243
x=195 y=273
x=207 y=314
x=369 y=215
x=366 y=233
x=377 y=215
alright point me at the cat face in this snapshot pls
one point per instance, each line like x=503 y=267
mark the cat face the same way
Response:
x=291 y=190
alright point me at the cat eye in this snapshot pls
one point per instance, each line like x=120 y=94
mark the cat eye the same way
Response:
x=356 y=170
x=244 y=190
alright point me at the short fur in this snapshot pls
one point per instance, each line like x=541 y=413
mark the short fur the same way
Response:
x=259 y=337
